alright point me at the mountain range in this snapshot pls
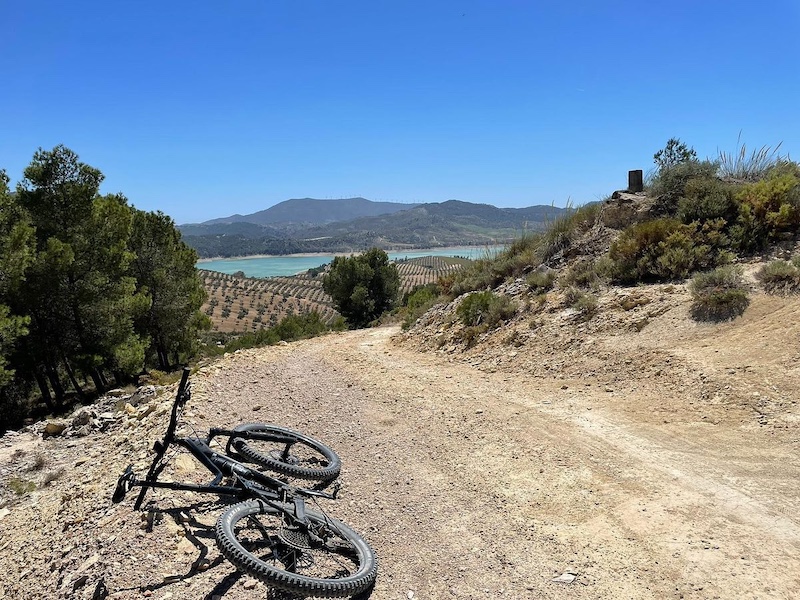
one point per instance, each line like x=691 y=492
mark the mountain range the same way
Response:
x=354 y=224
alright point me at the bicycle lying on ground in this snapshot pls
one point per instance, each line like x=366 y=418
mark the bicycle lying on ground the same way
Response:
x=269 y=534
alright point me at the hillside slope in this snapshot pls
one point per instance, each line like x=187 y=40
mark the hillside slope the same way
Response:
x=314 y=211
x=329 y=226
x=656 y=460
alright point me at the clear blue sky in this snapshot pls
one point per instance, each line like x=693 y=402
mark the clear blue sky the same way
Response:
x=203 y=109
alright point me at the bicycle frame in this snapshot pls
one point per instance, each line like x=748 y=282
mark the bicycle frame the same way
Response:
x=247 y=482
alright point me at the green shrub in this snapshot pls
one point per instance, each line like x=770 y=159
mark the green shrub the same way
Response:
x=291 y=327
x=485 y=308
x=584 y=273
x=480 y=275
x=363 y=286
x=586 y=305
x=781 y=277
x=666 y=249
x=767 y=209
x=706 y=200
x=719 y=294
x=670 y=183
x=418 y=301
x=541 y=281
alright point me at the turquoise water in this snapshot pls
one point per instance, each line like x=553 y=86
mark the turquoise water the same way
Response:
x=273 y=266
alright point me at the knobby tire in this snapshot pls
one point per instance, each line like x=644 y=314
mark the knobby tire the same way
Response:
x=249 y=536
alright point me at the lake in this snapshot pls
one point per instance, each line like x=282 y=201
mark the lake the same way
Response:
x=273 y=266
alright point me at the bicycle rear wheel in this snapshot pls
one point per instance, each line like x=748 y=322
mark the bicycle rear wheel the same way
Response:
x=286 y=451
x=329 y=560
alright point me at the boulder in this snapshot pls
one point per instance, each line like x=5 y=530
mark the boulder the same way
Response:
x=626 y=208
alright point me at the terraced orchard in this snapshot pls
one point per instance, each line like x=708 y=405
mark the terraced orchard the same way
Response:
x=240 y=304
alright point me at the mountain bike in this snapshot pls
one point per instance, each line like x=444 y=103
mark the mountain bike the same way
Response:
x=269 y=533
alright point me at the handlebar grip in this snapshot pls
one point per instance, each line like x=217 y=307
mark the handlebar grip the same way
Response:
x=184 y=380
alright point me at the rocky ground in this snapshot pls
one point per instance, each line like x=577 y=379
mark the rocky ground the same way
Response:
x=636 y=455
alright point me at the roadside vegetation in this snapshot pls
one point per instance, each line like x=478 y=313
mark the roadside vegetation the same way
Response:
x=703 y=217
x=92 y=290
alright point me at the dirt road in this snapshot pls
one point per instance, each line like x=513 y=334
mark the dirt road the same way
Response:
x=469 y=482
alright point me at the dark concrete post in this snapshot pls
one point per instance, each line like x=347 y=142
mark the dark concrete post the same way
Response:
x=635 y=181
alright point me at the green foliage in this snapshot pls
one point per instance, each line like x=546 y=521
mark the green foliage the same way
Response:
x=584 y=273
x=363 y=286
x=767 y=209
x=707 y=199
x=719 y=295
x=585 y=304
x=666 y=249
x=669 y=184
x=485 y=308
x=77 y=288
x=418 y=301
x=674 y=153
x=781 y=277
x=16 y=253
x=164 y=270
x=88 y=285
x=636 y=253
x=541 y=281
x=290 y=328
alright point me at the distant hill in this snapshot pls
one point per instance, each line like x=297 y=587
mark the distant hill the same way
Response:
x=380 y=224
x=311 y=211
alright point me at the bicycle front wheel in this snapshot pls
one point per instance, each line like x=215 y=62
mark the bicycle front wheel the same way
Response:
x=286 y=451
x=327 y=559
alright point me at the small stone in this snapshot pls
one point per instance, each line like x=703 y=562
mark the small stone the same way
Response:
x=55 y=427
x=145 y=410
x=83 y=417
x=185 y=463
x=566 y=577
x=250 y=584
x=82 y=431
x=257 y=407
x=89 y=562
x=186 y=547
x=143 y=393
